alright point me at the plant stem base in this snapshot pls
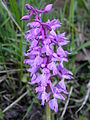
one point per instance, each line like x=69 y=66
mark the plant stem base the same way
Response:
x=48 y=112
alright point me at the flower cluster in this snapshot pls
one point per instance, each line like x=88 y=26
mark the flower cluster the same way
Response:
x=46 y=56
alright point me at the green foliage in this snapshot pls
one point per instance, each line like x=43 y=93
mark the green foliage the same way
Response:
x=83 y=5
x=87 y=44
x=14 y=8
x=60 y=118
x=82 y=117
x=28 y=110
x=1 y=115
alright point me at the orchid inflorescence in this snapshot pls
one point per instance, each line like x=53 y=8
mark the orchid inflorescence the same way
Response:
x=46 y=56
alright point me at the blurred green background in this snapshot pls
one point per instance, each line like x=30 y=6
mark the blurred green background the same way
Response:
x=75 y=18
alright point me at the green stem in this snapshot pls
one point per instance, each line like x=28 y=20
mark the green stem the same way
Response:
x=53 y=114
x=48 y=112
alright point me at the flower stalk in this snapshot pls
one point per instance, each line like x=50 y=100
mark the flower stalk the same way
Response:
x=48 y=112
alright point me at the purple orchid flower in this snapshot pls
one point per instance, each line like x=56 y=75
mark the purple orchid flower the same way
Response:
x=43 y=60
